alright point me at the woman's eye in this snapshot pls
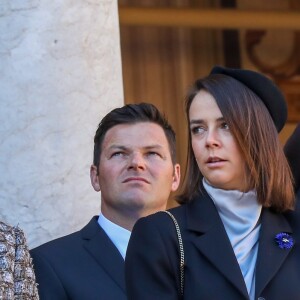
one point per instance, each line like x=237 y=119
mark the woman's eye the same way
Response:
x=225 y=126
x=197 y=129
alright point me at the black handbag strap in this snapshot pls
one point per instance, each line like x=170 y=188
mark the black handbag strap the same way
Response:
x=181 y=251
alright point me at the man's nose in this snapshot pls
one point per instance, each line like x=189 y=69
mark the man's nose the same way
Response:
x=137 y=161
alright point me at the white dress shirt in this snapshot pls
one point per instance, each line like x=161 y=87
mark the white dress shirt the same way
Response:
x=118 y=235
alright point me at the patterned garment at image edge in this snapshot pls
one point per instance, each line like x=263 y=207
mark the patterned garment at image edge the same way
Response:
x=17 y=279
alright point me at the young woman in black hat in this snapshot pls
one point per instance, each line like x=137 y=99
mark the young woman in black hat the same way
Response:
x=239 y=231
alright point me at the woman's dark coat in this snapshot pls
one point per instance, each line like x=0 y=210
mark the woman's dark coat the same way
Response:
x=211 y=269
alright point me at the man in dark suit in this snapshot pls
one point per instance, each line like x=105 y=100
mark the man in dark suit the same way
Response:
x=135 y=169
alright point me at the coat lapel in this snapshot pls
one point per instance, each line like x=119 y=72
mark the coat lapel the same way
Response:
x=213 y=241
x=101 y=248
x=270 y=256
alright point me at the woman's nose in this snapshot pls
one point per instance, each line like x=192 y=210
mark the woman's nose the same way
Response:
x=212 y=139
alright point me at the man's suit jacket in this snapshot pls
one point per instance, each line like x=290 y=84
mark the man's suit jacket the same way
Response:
x=211 y=269
x=82 y=265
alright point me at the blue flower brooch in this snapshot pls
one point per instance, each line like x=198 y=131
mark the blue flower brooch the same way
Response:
x=284 y=240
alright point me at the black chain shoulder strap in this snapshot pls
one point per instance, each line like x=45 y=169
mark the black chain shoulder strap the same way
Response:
x=181 y=250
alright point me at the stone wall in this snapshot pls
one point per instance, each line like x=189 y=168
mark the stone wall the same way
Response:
x=60 y=70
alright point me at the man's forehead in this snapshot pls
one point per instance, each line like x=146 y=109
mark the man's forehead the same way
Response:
x=125 y=146
x=139 y=128
x=142 y=134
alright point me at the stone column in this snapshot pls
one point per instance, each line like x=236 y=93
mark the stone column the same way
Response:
x=60 y=73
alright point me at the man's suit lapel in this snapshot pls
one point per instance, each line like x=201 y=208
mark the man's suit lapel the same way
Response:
x=101 y=248
x=270 y=256
x=211 y=239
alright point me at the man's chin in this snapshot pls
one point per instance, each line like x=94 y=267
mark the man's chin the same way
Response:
x=138 y=202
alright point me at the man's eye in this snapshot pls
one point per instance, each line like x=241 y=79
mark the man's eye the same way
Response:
x=116 y=154
x=153 y=153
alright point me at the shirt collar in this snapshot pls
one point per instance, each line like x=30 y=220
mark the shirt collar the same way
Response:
x=118 y=235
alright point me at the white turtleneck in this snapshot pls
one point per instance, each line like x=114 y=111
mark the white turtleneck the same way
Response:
x=240 y=214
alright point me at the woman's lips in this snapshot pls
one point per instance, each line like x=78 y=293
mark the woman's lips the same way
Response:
x=215 y=161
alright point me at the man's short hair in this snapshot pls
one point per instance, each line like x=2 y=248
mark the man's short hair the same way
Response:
x=132 y=114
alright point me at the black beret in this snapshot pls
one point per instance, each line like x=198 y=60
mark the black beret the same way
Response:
x=264 y=88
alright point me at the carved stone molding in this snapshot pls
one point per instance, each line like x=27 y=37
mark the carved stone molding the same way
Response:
x=286 y=73
x=291 y=89
x=289 y=68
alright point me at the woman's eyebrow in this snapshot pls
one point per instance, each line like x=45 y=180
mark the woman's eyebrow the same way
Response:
x=221 y=119
x=197 y=121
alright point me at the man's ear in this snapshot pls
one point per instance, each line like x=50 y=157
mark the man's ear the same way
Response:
x=176 y=178
x=94 y=175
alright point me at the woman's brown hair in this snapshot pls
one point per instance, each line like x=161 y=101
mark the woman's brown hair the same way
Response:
x=255 y=133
